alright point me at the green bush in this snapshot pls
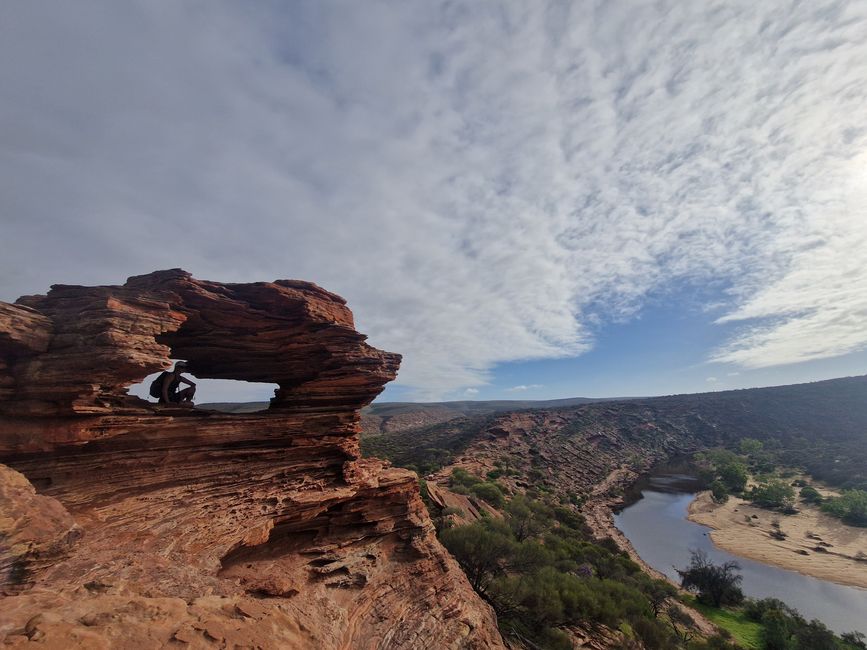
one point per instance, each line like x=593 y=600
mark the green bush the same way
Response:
x=851 y=507
x=772 y=494
x=718 y=492
x=733 y=476
x=810 y=494
x=489 y=492
x=751 y=446
x=540 y=570
x=461 y=477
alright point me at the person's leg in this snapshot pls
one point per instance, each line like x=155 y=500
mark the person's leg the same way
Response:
x=187 y=394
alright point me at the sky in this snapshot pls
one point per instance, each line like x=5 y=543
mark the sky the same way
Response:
x=525 y=199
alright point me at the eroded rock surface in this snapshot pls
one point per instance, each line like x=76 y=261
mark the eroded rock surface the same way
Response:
x=128 y=525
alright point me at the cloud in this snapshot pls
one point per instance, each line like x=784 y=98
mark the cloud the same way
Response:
x=522 y=387
x=711 y=380
x=483 y=183
x=471 y=391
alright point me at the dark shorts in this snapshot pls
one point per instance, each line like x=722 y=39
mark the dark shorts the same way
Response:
x=174 y=398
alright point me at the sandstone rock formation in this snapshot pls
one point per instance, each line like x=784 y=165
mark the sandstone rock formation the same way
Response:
x=129 y=525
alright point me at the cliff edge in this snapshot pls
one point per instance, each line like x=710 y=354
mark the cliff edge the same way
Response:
x=124 y=524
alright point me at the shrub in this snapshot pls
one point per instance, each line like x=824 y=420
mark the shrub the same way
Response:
x=772 y=494
x=778 y=534
x=810 y=494
x=555 y=576
x=480 y=548
x=489 y=492
x=734 y=476
x=718 y=492
x=715 y=585
x=851 y=507
x=463 y=477
x=527 y=518
x=751 y=446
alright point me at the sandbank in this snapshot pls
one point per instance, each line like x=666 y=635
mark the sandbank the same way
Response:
x=816 y=544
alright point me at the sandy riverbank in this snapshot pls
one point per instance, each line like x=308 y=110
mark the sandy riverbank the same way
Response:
x=745 y=530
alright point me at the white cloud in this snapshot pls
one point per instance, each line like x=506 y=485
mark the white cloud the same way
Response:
x=711 y=380
x=471 y=391
x=523 y=387
x=482 y=182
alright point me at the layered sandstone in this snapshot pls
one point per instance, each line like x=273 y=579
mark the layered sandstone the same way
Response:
x=125 y=524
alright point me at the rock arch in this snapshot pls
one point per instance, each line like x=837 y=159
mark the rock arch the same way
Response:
x=88 y=344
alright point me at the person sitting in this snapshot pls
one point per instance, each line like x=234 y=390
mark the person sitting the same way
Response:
x=166 y=387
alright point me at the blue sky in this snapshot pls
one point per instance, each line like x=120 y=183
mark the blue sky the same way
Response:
x=599 y=198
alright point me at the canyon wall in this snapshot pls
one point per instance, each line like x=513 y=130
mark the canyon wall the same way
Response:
x=128 y=524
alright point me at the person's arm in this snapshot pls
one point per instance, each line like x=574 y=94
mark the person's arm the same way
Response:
x=184 y=380
x=167 y=381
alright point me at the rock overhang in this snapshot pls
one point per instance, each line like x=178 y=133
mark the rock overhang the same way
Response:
x=77 y=349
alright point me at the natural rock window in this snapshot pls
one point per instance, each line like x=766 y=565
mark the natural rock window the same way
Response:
x=226 y=395
x=87 y=345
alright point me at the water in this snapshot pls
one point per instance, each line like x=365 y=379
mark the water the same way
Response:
x=657 y=527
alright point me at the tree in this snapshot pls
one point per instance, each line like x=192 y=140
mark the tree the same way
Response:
x=773 y=494
x=718 y=492
x=480 y=549
x=657 y=592
x=527 y=518
x=715 y=585
x=851 y=507
x=751 y=446
x=733 y=475
x=855 y=639
x=777 y=630
x=682 y=623
x=489 y=492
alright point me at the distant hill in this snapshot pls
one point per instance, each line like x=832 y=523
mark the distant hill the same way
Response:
x=822 y=426
x=394 y=416
x=234 y=407
x=381 y=417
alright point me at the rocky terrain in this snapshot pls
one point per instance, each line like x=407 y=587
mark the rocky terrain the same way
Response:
x=126 y=524
x=570 y=450
x=383 y=417
x=589 y=455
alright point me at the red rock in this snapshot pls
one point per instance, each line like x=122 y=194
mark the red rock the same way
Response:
x=215 y=530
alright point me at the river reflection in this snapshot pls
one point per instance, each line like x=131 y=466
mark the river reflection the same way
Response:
x=657 y=527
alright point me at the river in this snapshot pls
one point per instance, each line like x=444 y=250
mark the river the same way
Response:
x=657 y=527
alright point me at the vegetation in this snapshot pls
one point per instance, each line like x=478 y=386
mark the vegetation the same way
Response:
x=770 y=624
x=745 y=631
x=462 y=482
x=841 y=463
x=429 y=448
x=851 y=507
x=718 y=492
x=774 y=494
x=783 y=628
x=548 y=574
x=540 y=570
x=723 y=471
x=715 y=584
x=809 y=494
